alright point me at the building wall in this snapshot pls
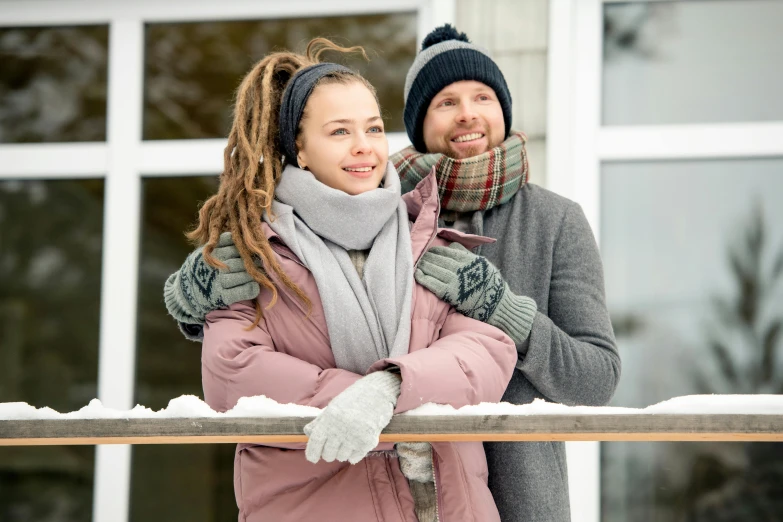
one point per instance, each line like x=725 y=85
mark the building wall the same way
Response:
x=515 y=32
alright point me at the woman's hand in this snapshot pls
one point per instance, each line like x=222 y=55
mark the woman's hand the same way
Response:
x=350 y=426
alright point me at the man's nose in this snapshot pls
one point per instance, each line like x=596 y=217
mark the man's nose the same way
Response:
x=467 y=113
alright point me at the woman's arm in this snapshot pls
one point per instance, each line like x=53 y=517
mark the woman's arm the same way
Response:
x=237 y=362
x=470 y=362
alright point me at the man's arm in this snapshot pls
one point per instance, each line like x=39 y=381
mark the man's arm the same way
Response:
x=571 y=356
x=178 y=304
x=240 y=360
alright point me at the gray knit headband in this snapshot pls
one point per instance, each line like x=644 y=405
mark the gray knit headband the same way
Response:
x=295 y=97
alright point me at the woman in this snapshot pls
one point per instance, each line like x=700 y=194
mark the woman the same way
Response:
x=339 y=324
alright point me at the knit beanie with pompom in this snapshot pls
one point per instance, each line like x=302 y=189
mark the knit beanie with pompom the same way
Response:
x=447 y=56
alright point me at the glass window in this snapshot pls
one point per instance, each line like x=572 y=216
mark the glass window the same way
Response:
x=53 y=84
x=693 y=255
x=193 y=69
x=50 y=272
x=692 y=62
x=198 y=479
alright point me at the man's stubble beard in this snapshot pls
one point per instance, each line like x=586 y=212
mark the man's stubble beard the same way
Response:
x=470 y=151
x=465 y=153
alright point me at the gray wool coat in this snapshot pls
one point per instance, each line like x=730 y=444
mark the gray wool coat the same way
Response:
x=547 y=251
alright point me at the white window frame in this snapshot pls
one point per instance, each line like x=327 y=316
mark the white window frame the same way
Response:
x=124 y=159
x=578 y=143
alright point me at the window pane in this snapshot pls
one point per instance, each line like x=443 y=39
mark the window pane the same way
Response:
x=53 y=84
x=193 y=69
x=50 y=254
x=692 y=62
x=197 y=478
x=693 y=255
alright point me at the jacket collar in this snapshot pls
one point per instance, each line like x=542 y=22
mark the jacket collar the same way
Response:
x=423 y=204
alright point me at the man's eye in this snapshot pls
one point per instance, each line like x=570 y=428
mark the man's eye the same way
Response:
x=339 y=132
x=446 y=103
x=484 y=97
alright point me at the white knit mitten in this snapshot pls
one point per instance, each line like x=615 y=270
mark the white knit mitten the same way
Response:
x=350 y=426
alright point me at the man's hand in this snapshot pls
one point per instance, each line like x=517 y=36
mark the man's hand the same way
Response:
x=350 y=426
x=198 y=288
x=468 y=282
x=475 y=287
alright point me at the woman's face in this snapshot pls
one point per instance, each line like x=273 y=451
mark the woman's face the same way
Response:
x=342 y=141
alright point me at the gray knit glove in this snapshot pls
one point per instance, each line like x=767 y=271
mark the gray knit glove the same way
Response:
x=198 y=288
x=475 y=287
x=416 y=460
x=350 y=426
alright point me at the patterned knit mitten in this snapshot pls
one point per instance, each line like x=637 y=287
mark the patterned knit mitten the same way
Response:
x=475 y=287
x=198 y=288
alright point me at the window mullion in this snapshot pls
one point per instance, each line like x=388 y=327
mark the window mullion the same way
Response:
x=120 y=258
x=433 y=13
x=53 y=160
x=579 y=33
x=690 y=141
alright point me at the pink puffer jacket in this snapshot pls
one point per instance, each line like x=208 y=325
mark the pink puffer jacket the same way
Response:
x=452 y=360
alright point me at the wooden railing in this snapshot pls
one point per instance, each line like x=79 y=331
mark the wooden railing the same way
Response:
x=577 y=427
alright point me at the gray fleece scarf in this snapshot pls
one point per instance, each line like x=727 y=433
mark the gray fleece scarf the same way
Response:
x=368 y=319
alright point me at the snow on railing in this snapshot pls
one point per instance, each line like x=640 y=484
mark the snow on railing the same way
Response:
x=189 y=420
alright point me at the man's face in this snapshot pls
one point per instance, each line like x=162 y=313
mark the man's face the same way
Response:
x=463 y=120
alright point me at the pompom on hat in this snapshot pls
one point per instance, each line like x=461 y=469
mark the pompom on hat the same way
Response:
x=448 y=56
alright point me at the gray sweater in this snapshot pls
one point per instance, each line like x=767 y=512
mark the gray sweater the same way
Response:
x=547 y=251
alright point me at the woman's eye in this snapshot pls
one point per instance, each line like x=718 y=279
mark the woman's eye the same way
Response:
x=376 y=129
x=339 y=132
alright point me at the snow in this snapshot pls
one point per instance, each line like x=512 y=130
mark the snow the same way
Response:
x=690 y=404
x=713 y=404
x=190 y=406
x=185 y=406
x=537 y=407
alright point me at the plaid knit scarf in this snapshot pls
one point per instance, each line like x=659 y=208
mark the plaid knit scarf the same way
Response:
x=476 y=183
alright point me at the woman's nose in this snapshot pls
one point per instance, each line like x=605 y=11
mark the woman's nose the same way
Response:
x=361 y=145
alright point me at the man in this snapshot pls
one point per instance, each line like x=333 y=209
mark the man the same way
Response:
x=542 y=282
